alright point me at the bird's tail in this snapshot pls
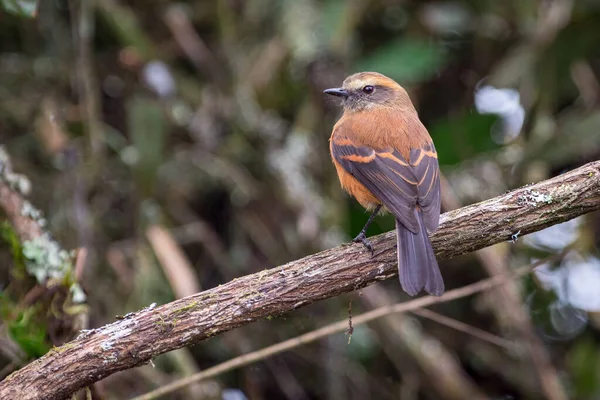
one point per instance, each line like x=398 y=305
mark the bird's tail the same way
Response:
x=417 y=266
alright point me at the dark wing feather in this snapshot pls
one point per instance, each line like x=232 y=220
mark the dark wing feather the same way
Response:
x=386 y=174
x=400 y=185
x=424 y=163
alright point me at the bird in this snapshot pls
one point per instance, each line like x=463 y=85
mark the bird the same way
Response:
x=386 y=160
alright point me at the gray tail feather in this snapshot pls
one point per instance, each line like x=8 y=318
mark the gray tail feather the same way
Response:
x=417 y=266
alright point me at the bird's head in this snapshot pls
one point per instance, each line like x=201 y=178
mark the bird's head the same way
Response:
x=366 y=90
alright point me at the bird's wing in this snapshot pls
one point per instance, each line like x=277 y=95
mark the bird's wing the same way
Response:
x=399 y=184
x=424 y=164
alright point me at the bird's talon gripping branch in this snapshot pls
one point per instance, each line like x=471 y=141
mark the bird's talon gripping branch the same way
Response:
x=362 y=238
x=515 y=236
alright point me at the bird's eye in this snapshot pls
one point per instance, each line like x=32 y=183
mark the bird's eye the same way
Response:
x=368 y=89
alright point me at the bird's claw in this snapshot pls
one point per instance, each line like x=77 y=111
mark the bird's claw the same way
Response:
x=362 y=238
x=515 y=236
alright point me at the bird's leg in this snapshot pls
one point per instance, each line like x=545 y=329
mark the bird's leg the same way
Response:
x=362 y=236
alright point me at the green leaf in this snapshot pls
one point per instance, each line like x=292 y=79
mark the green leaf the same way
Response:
x=28 y=334
x=363 y=345
x=408 y=60
x=8 y=235
x=463 y=137
x=21 y=8
x=584 y=369
x=147 y=128
x=333 y=13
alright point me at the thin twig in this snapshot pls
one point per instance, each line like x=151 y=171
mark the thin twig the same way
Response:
x=192 y=44
x=88 y=96
x=350 y=329
x=466 y=328
x=80 y=260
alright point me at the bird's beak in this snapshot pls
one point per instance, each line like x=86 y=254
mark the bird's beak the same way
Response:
x=339 y=92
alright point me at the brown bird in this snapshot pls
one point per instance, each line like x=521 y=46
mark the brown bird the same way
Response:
x=384 y=156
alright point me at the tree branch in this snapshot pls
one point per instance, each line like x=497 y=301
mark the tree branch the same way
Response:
x=139 y=337
x=413 y=305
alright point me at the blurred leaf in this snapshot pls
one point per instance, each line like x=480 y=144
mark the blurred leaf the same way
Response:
x=409 y=60
x=8 y=235
x=340 y=20
x=333 y=11
x=28 y=334
x=22 y=8
x=584 y=365
x=540 y=303
x=126 y=26
x=363 y=345
x=579 y=137
x=147 y=131
x=463 y=137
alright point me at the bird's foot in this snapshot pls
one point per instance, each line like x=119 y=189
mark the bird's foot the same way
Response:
x=362 y=238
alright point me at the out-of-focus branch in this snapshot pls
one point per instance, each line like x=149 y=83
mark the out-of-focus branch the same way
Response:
x=43 y=255
x=13 y=187
x=466 y=328
x=192 y=44
x=83 y=32
x=139 y=337
x=174 y=262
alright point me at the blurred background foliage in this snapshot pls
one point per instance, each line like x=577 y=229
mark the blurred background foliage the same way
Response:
x=185 y=143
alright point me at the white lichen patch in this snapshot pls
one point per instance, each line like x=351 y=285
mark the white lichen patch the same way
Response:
x=29 y=211
x=118 y=329
x=106 y=345
x=16 y=182
x=77 y=293
x=85 y=333
x=115 y=331
x=45 y=259
x=131 y=314
x=534 y=198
